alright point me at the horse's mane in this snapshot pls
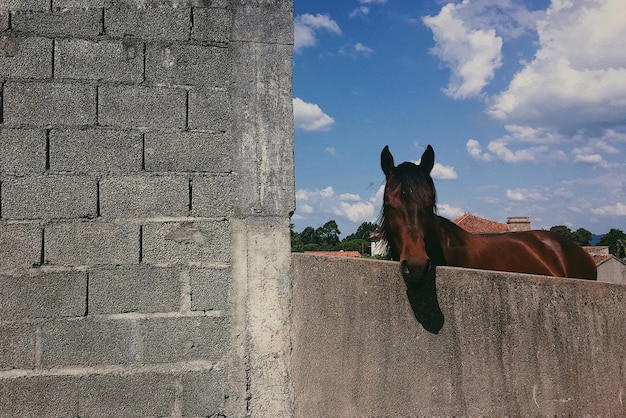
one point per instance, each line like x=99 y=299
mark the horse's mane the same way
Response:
x=418 y=188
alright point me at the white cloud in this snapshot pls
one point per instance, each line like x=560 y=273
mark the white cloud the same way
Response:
x=448 y=211
x=440 y=171
x=365 y=10
x=349 y=206
x=330 y=151
x=500 y=150
x=472 y=54
x=327 y=192
x=360 y=11
x=588 y=158
x=356 y=50
x=592 y=153
x=307 y=26
x=618 y=209
x=362 y=49
x=514 y=195
x=578 y=75
x=304 y=208
x=476 y=151
x=357 y=212
x=310 y=117
x=350 y=197
x=443 y=172
x=525 y=195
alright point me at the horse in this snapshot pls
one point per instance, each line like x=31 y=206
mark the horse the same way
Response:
x=421 y=240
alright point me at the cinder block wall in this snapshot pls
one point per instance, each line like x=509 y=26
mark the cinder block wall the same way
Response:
x=146 y=181
x=482 y=343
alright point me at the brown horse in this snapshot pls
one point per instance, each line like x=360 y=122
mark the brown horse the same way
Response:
x=422 y=240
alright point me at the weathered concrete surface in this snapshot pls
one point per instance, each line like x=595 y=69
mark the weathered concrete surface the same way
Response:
x=509 y=344
x=146 y=184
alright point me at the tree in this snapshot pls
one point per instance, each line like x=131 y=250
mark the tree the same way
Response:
x=353 y=245
x=363 y=231
x=329 y=234
x=309 y=236
x=296 y=243
x=615 y=240
x=562 y=230
x=581 y=236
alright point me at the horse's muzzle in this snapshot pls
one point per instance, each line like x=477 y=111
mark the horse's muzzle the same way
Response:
x=415 y=274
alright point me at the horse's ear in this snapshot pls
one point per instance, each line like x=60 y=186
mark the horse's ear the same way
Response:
x=428 y=159
x=386 y=161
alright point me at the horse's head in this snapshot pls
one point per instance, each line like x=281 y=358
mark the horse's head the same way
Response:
x=408 y=210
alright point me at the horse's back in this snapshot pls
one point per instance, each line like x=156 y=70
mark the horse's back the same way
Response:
x=533 y=252
x=570 y=259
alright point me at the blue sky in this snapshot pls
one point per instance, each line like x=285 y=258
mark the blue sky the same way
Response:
x=524 y=103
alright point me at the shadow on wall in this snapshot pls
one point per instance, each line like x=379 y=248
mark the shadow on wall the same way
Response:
x=425 y=306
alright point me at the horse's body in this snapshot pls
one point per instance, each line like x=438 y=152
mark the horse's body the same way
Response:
x=422 y=240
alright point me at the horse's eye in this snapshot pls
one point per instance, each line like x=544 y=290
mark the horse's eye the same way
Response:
x=387 y=206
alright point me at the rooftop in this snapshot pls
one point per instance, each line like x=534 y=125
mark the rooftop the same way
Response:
x=476 y=224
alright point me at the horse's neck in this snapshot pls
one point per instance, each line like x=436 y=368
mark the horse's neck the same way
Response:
x=444 y=238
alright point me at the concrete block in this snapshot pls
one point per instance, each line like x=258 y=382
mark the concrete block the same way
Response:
x=142 y=107
x=20 y=246
x=39 y=396
x=54 y=104
x=17 y=347
x=144 y=196
x=149 y=23
x=167 y=3
x=25 y=56
x=22 y=151
x=49 y=197
x=171 y=340
x=60 y=22
x=263 y=124
x=210 y=110
x=134 y=289
x=91 y=243
x=50 y=295
x=186 y=242
x=194 y=65
x=209 y=289
x=203 y=393
x=212 y=196
x=4 y=20
x=188 y=151
x=86 y=342
x=96 y=151
x=17 y=5
x=134 y=395
x=104 y=60
x=211 y=25
x=81 y=4
x=268 y=22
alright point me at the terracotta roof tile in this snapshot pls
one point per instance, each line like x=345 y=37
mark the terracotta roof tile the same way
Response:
x=336 y=253
x=476 y=224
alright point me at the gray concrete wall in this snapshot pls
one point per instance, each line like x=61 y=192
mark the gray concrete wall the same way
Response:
x=146 y=181
x=481 y=343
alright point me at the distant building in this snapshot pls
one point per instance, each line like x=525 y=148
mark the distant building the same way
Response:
x=610 y=268
x=378 y=246
x=518 y=223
